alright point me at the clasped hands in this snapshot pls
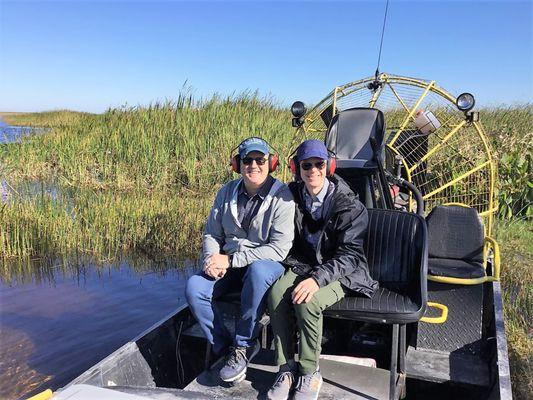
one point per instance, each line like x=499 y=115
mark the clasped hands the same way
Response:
x=216 y=265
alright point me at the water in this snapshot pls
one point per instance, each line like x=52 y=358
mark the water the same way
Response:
x=57 y=320
x=56 y=324
x=13 y=134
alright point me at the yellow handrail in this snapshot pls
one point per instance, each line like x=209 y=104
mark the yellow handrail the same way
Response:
x=436 y=320
x=45 y=395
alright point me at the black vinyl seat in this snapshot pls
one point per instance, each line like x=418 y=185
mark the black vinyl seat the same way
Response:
x=396 y=250
x=455 y=268
x=350 y=135
x=456 y=243
x=384 y=304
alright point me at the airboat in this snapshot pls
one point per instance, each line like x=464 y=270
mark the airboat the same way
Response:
x=420 y=161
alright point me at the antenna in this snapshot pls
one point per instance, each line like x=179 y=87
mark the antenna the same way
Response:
x=382 y=34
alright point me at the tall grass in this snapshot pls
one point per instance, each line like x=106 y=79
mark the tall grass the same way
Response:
x=511 y=132
x=180 y=149
x=102 y=224
x=183 y=144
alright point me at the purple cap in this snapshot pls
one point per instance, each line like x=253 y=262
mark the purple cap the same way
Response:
x=312 y=148
x=252 y=144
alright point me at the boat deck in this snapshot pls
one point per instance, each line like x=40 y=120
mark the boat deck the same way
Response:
x=342 y=380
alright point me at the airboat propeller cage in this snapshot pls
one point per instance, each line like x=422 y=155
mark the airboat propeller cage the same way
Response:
x=446 y=153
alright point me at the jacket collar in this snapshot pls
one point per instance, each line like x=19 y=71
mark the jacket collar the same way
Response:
x=343 y=196
x=267 y=200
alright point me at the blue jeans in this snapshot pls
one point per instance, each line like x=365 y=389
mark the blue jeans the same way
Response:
x=252 y=281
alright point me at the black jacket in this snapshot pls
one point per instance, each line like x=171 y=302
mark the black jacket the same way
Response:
x=339 y=255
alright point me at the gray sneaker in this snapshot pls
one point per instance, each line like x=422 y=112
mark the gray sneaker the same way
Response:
x=308 y=386
x=282 y=387
x=234 y=369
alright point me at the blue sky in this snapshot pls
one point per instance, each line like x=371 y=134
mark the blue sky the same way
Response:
x=91 y=55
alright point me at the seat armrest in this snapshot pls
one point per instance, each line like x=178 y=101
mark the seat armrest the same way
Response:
x=490 y=243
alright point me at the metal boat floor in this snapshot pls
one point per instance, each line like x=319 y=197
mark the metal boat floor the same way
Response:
x=461 y=333
x=447 y=367
x=341 y=381
x=452 y=351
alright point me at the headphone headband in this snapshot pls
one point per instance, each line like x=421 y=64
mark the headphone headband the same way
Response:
x=235 y=159
x=295 y=167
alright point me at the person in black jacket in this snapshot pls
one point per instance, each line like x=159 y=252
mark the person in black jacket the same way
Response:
x=325 y=262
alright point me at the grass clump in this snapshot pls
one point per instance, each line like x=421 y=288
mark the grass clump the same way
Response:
x=511 y=132
x=102 y=224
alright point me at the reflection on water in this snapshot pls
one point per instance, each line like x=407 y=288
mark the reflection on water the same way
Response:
x=63 y=319
x=14 y=134
x=32 y=189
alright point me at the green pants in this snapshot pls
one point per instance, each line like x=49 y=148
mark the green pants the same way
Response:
x=285 y=317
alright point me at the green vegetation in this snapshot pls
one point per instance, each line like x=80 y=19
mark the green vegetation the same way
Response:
x=516 y=241
x=511 y=132
x=142 y=179
x=180 y=145
x=102 y=224
x=130 y=179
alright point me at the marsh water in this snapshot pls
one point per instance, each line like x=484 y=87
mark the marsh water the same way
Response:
x=58 y=323
x=11 y=134
x=59 y=317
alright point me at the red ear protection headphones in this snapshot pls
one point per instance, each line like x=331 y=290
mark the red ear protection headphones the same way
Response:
x=235 y=162
x=294 y=164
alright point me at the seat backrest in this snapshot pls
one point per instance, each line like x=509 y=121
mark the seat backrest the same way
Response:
x=349 y=134
x=455 y=232
x=396 y=250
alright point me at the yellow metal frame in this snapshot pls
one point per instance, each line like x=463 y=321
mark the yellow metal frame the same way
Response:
x=436 y=320
x=45 y=395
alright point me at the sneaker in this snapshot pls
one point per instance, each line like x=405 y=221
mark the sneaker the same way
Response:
x=308 y=386
x=234 y=369
x=282 y=387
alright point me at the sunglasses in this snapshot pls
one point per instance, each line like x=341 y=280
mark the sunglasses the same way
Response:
x=306 y=166
x=250 y=160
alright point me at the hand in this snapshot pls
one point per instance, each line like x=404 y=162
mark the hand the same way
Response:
x=216 y=265
x=304 y=291
x=216 y=273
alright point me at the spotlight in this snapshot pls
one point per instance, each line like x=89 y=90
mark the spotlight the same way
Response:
x=298 y=109
x=465 y=102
